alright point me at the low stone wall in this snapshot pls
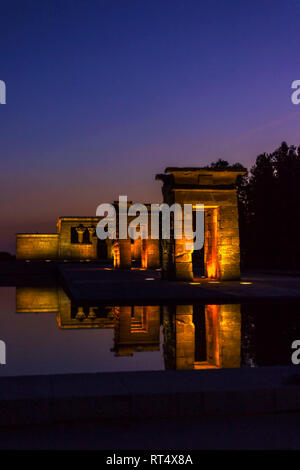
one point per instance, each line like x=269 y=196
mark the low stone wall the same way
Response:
x=37 y=246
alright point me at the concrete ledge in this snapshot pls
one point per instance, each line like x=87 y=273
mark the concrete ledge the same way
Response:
x=145 y=395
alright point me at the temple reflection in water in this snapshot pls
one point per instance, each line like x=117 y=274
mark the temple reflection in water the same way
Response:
x=194 y=336
x=202 y=336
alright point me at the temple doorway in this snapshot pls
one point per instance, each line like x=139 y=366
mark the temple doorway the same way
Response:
x=198 y=255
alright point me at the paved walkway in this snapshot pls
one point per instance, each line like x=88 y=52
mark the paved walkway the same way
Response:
x=99 y=283
x=86 y=282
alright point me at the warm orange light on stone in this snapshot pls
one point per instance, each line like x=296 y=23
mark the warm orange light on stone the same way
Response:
x=222 y=336
x=60 y=245
x=185 y=337
x=116 y=254
x=36 y=299
x=37 y=246
x=144 y=254
x=150 y=254
x=210 y=243
x=136 y=329
x=216 y=190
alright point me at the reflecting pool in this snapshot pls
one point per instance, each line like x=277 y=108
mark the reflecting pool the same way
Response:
x=45 y=332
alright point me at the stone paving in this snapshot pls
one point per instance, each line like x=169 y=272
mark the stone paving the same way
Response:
x=90 y=282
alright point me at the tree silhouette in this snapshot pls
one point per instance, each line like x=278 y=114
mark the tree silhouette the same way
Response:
x=269 y=201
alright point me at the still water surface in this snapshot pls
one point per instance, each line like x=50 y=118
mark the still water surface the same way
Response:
x=46 y=333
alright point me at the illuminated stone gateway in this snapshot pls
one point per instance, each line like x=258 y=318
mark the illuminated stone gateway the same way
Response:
x=76 y=238
x=216 y=190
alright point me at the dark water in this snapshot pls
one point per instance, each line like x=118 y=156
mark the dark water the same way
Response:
x=46 y=333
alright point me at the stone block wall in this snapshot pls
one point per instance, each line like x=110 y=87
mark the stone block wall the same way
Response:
x=228 y=241
x=185 y=337
x=81 y=249
x=183 y=260
x=36 y=299
x=230 y=335
x=37 y=246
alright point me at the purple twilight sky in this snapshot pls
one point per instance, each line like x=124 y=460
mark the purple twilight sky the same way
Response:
x=104 y=94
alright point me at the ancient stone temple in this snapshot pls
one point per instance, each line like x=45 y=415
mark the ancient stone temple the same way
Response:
x=216 y=190
x=75 y=238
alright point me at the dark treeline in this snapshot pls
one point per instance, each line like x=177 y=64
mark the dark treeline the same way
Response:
x=269 y=203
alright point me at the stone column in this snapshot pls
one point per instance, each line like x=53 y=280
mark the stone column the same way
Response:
x=185 y=337
x=152 y=251
x=125 y=254
x=80 y=231
x=210 y=243
x=116 y=253
x=91 y=233
x=110 y=249
x=80 y=315
x=122 y=254
x=228 y=243
x=230 y=335
x=92 y=315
